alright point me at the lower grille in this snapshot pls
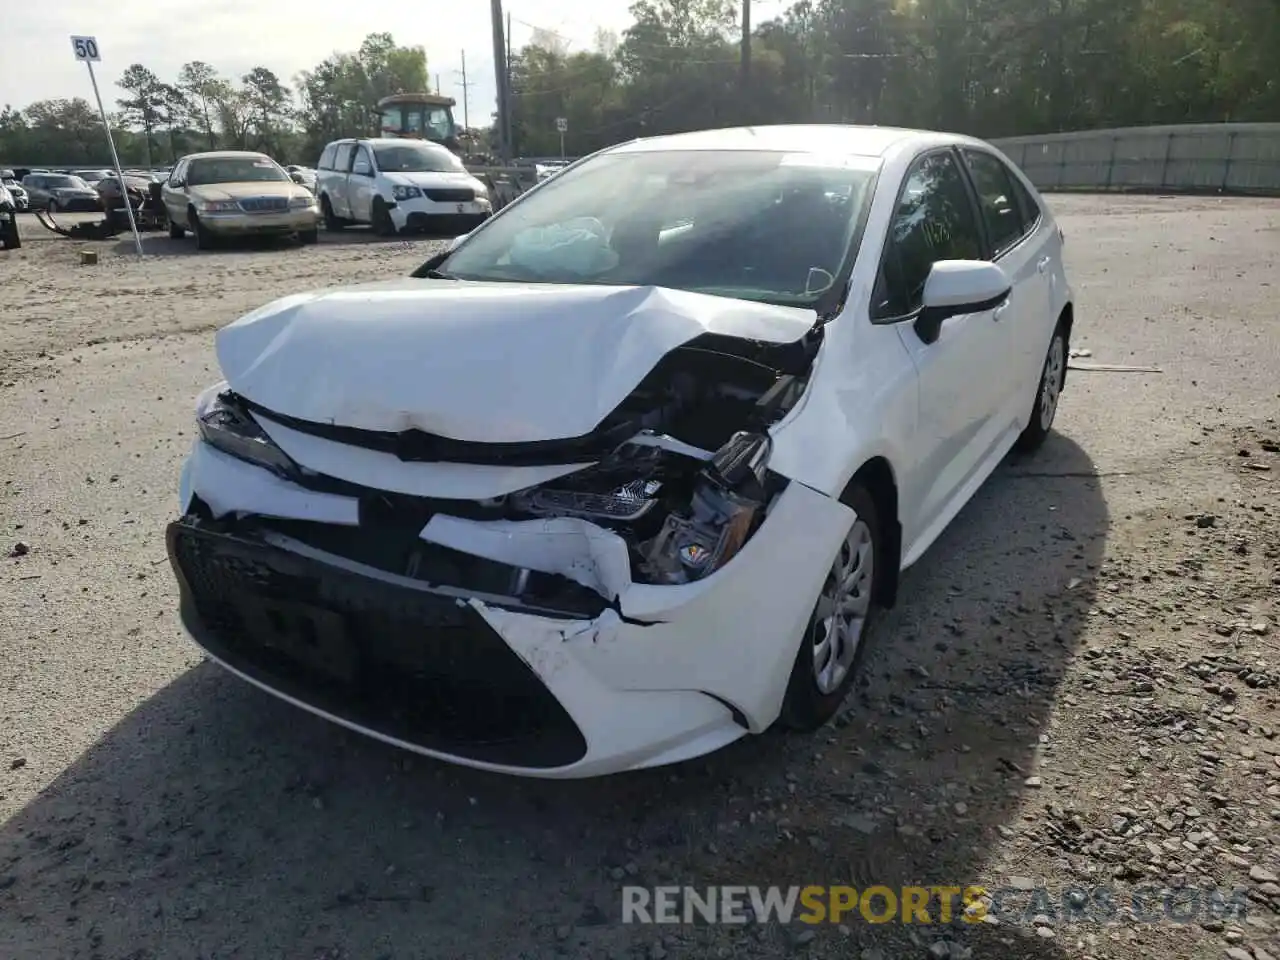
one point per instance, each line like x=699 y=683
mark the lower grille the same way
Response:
x=264 y=204
x=450 y=194
x=405 y=663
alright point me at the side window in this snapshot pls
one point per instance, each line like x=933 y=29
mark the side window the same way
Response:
x=934 y=221
x=346 y=154
x=1028 y=204
x=363 y=163
x=176 y=174
x=1000 y=209
x=326 y=158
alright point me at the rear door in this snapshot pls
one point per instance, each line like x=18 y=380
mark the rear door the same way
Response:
x=1013 y=223
x=362 y=184
x=340 y=194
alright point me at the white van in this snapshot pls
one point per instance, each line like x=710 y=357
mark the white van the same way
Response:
x=397 y=185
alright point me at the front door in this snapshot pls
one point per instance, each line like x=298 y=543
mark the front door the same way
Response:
x=958 y=425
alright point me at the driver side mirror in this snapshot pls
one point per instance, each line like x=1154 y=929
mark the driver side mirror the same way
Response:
x=957 y=287
x=296 y=177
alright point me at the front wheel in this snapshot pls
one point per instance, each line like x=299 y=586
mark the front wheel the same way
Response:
x=52 y=206
x=331 y=221
x=10 y=239
x=832 y=651
x=383 y=226
x=308 y=237
x=1045 y=407
x=204 y=238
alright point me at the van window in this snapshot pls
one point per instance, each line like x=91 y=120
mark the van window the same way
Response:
x=326 y=158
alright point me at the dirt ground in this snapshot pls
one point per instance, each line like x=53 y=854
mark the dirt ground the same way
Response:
x=1077 y=692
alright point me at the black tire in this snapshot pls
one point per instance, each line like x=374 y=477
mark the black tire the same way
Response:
x=1053 y=375
x=308 y=237
x=807 y=705
x=11 y=239
x=204 y=239
x=176 y=232
x=331 y=222
x=381 y=218
x=52 y=206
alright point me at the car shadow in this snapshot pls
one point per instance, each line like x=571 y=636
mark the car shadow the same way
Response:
x=216 y=821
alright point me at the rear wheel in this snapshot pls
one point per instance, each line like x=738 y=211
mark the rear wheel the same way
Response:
x=176 y=232
x=1052 y=377
x=10 y=239
x=832 y=651
x=308 y=237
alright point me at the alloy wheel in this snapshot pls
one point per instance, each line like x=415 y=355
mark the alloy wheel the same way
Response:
x=843 y=607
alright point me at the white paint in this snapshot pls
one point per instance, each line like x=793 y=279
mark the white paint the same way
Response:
x=488 y=362
x=513 y=362
x=571 y=547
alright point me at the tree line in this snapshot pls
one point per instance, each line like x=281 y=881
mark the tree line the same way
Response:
x=990 y=68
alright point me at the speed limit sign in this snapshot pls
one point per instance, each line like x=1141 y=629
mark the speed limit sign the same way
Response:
x=86 y=49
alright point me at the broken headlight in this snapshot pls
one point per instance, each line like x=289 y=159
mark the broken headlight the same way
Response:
x=728 y=495
x=232 y=430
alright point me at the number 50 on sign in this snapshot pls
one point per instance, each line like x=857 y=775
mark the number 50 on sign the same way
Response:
x=86 y=49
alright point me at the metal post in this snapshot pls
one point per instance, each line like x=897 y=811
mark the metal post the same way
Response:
x=111 y=142
x=466 y=94
x=511 y=144
x=1226 y=167
x=561 y=144
x=1168 y=152
x=500 y=80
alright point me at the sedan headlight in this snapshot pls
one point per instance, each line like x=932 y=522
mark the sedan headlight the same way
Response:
x=220 y=206
x=302 y=203
x=405 y=193
x=728 y=496
x=226 y=427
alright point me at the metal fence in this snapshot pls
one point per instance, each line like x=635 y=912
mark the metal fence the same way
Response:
x=1202 y=157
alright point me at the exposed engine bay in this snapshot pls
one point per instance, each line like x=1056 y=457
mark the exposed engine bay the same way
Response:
x=679 y=475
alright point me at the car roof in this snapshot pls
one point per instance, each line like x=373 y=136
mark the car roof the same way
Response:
x=227 y=155
x=798 y=138
x=388 y=142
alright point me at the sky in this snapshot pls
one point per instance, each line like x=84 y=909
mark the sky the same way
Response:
x=285 y=36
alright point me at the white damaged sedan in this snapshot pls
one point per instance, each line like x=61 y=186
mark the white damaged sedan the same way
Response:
x=625 y=474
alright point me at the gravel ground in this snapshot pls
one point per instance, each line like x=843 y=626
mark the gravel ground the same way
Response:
x=1078 y=689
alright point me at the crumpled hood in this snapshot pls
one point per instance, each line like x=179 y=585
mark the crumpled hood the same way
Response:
x=485 y=362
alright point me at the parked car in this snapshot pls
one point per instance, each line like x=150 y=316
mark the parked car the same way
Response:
x=60 y=191
x=303 y=176
x=10 y=238
x=397 y=185
x=138 y=188
x=629 y=471
x=92 y=177
x=17 y=193
x=236 y=193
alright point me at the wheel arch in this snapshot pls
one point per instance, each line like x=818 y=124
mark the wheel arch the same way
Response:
x=877 y=477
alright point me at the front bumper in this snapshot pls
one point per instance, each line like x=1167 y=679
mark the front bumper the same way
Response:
x=666 y=674
x=424 y=214
x=246 y=224
x=78 y=204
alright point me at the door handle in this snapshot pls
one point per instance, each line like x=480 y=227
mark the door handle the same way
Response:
x=999 y=311
x=1043 y=265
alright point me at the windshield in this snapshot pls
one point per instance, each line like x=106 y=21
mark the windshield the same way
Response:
x=65 y=183
x=234 y=170
x=756 y=225
x=416 y=158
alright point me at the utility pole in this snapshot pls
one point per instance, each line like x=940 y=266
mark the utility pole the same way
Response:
x=511 y=146
x=466 y=94
x=501 y=78
x=746 y=44
x=437 y=84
